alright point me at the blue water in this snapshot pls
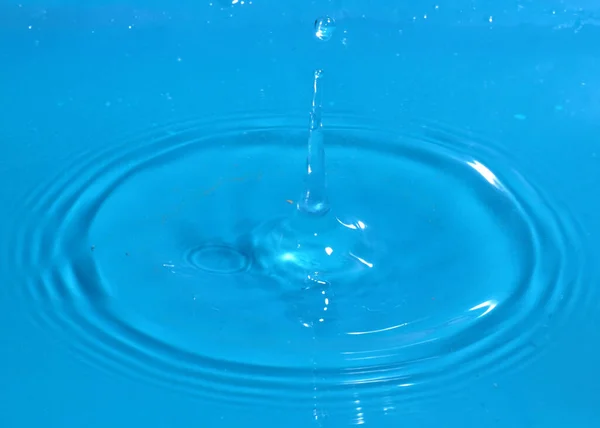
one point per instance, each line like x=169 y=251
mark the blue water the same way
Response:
x=152 y=156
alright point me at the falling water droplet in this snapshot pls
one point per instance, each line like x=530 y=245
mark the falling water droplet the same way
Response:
x=324 y=28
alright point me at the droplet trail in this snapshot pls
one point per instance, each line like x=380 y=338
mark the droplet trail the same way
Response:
x=314 y=200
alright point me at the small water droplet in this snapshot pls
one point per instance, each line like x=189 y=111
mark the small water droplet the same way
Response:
x=324 y=28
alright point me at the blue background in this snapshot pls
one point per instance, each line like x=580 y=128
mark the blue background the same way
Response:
x=76 y=75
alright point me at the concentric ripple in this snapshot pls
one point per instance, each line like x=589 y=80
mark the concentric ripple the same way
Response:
x=142 y=257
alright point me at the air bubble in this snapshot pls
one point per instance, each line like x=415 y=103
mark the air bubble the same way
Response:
x=324 y=28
